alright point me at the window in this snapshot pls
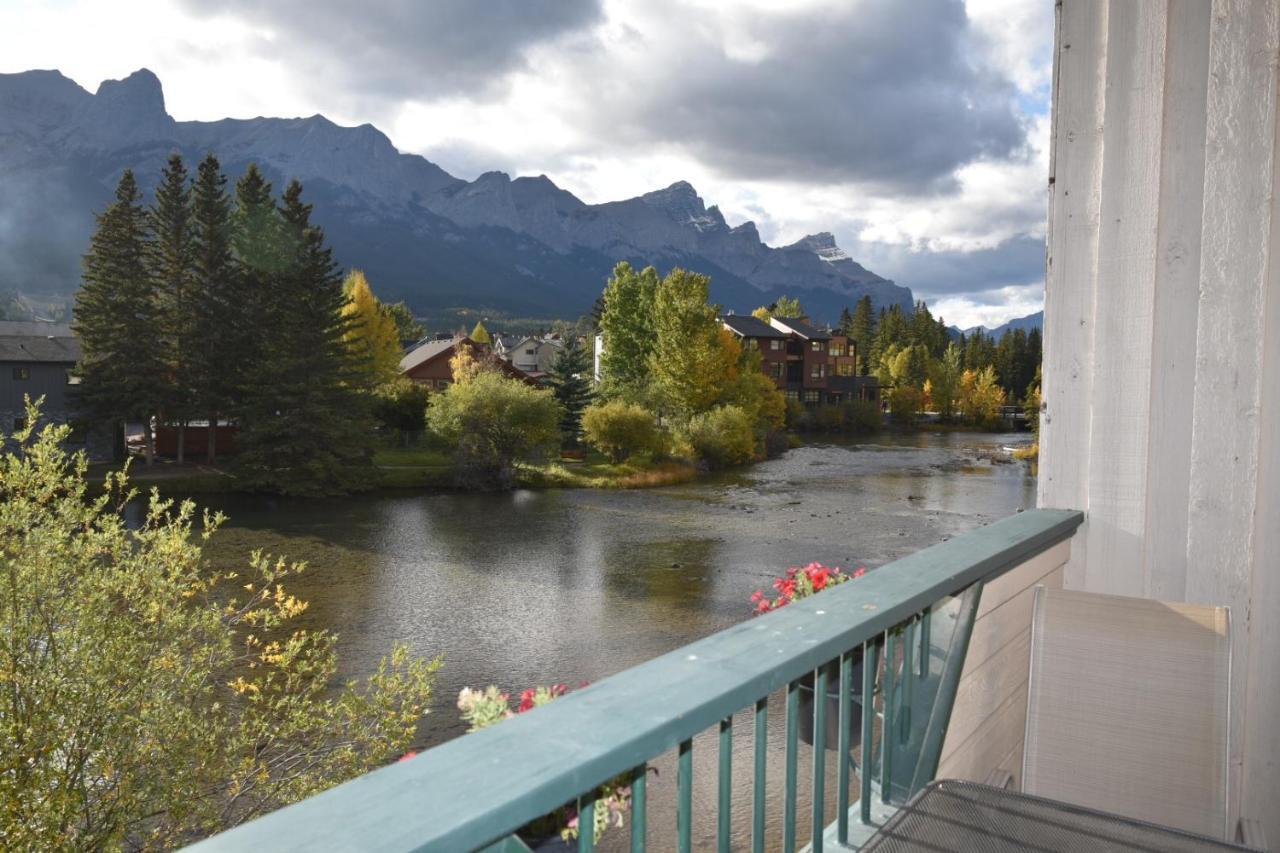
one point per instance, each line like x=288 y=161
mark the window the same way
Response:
x=778 y=369
x=818 y=371
x=775 y=343
x=22 y=373
x=750 y=343
x=816 y=346
x=442 y=384
x=793 y=395
x=530 y=351
x=811 y=396
x=844 y=368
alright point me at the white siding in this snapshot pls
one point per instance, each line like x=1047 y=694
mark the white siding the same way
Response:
x=1162 y=336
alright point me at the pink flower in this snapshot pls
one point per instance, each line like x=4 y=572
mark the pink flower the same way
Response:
x=526 y=700
x=410 y=754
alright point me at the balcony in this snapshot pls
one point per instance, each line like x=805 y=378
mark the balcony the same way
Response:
x=939 y=639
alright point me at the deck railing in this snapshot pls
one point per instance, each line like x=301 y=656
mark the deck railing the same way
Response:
x=907 y=624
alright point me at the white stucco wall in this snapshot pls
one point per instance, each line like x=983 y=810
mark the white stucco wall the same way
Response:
x=1162 y=327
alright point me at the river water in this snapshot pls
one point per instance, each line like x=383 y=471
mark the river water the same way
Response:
x=537 y=587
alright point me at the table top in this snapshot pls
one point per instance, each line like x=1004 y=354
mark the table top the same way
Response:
x=955 y=815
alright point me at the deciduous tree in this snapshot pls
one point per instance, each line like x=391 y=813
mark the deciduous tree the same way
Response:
x=371 y=332
x=627 y=326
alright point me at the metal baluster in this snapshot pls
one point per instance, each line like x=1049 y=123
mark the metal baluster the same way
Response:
x=843 y=749
x=886 y=728
x=926 y=619
x=819 y=756
x=903 y=721
x=758 y=788
x=726 y=782
x=639 y=777
x=587 y=823
x=870 y=662
x=684 y=797
x=789 y=796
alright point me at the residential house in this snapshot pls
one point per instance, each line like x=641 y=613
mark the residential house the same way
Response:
x=843 y=382
x=36 y=360
x=429 y=363
x=807 y=362
x=533 y=355
x=754 y=333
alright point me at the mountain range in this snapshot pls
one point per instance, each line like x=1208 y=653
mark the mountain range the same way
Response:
x=520 y=247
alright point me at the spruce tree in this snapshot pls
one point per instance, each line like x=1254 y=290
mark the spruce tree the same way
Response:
x=571 y=383
x=121 y=370
x=172 y=260
x=863 y=331
x=304 y=427
x=253 y=290
x=846 y=321
x=212 y=356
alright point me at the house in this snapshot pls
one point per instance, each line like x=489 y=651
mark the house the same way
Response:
x=754 y=333
x=429 y=363
x=36 y=360
x=531 y=354
x=807 y=363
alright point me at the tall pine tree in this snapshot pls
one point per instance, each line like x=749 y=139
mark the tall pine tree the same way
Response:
x=571 y=383
x=212 y=357
x=304 y=426
x=863 y=331
x=122 y=369
x=172 y=262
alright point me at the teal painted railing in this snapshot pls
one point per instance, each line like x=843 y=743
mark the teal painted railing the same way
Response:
x=908 y=621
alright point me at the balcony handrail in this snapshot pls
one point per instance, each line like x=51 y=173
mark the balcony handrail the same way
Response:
x=474 y=790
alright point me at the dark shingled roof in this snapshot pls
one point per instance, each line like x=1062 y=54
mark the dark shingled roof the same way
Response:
x=803 y=329
x=750 y=327
x=38 y=342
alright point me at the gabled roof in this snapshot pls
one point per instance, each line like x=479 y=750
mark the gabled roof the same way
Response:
x=799 y=327
x=746 y=326
x=428 y=352
x=38 y=342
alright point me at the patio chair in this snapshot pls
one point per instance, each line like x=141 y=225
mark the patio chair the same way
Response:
x=1127 y=710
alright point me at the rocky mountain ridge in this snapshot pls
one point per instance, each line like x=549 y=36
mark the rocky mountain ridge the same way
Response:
x=519 y=245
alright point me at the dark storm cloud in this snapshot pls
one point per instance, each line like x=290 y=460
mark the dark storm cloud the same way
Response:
x=878 y=92
x=977 y=275
x=406 y=48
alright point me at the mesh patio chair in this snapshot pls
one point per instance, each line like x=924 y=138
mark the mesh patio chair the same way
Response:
x=1128 y=709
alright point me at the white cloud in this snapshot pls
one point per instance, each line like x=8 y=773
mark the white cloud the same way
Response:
x=568 y=108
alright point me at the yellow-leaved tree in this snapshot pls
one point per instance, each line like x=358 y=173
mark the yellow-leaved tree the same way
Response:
x=371 y=333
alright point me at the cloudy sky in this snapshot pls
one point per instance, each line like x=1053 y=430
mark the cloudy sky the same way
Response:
x=915 y=130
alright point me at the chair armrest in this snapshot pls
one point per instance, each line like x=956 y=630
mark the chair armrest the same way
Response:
x=1250 y=833
x=999 y=779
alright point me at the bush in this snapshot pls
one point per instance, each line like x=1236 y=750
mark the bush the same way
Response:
x=400 y=407
x=723 y=436
x=491 y=422
x=829 y=418
x=151 y=698
x=619 y=429
x=904 y=403
x=863 y=416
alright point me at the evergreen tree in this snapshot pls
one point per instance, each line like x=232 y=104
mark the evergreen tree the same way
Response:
x=304 y=428
x=253 y=292
x=122 y=370
x=407 y=326
x=571 y=383
x=173 y=264
x=627 y=327
x=846 y=321
x=214 y=274
x=863 y=331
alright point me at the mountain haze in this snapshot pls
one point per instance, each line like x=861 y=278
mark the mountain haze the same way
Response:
x=523 y=246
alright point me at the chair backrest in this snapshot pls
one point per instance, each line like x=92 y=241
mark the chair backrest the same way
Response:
x=1127 y=707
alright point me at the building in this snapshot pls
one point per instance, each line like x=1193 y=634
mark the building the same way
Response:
x=36 y=360
x=754 y=333
x=429 y=363
x=533 y=355
x=808 y=364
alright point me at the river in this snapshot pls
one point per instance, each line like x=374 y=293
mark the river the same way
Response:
x=537 y=587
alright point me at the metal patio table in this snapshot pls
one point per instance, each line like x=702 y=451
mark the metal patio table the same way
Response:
x=953 y=815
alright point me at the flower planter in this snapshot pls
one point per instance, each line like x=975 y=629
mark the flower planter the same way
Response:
x=832 y=722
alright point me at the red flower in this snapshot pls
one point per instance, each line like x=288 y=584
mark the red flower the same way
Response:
x=526 y=700
x=860 y=571
x=410 y=754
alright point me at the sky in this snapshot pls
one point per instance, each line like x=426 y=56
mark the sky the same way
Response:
x=916 y=131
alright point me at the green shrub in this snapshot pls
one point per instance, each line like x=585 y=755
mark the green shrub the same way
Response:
x=904 y=403
x=491 y=422
x=829 y=418
x=400 y=408
x=619 y=429
x=863 y=416
x=723 y=436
